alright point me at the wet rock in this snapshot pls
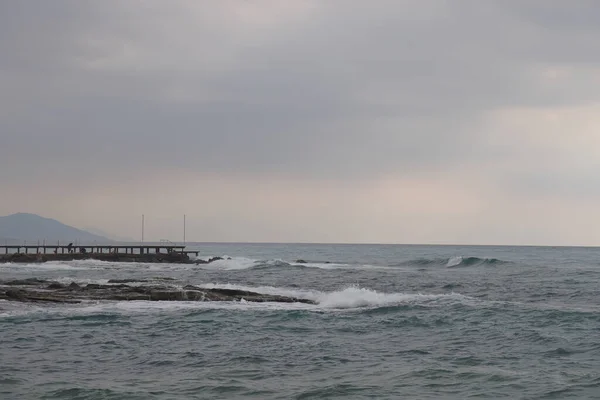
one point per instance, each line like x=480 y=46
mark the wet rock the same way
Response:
x=167 y=295
x=15 y=294
x=56 y=285
x=212 y=259
x=56 y=292
x=300 y=261
x=92 y=286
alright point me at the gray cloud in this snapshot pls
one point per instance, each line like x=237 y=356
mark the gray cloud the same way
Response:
x=332 y=90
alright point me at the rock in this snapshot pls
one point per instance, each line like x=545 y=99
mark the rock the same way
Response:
x=167 y=295
x=92 y=286
x=15 y=294
x=56 y=285
x=300 y=261
x=212 y=259
x=27 y=291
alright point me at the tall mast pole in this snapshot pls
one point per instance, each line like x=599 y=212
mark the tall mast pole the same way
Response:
x=142 y=228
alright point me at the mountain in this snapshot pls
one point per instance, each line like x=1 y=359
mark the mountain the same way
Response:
x=110 y=236
x=20 y=227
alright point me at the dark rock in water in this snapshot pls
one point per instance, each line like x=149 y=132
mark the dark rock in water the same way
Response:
x=167 y=295
x=301 y=261
x=15 y=294
x=56 y=285
x=91 y=286
x=43 y=291
x=212 y=259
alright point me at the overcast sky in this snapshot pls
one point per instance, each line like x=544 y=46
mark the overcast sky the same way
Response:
x=385 y=121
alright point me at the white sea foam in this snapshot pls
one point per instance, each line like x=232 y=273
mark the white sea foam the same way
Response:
x=290 y=292
x=350 y=297
x=59 y=266
x=354 y=297
x=230 y=263
x=226 y=264
x=242 y=263
x=142 y=307
x=67 y=280
x=454 y=261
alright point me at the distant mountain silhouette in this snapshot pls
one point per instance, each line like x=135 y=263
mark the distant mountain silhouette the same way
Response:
x=20 y=227
x=110 y=236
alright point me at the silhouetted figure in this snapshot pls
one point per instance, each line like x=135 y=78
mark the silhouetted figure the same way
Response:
x=70 y=247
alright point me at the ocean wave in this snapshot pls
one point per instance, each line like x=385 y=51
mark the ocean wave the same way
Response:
x=230 y=263
x=53 y=265
x=242 y=263
x=225 y=263
x=453 y=262
x=354 y=297
x=348 y=298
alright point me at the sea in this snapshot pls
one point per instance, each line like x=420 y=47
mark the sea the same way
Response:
x=390 y=322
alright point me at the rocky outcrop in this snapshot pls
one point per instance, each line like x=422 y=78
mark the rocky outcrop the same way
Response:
x=39 y=290
x=213 y=259
x=172 y=258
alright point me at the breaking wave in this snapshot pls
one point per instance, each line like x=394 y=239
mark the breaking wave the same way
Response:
x=53 y=265
x=453 y=262
x=347 y=299
x=351 y=297
x=241 y=263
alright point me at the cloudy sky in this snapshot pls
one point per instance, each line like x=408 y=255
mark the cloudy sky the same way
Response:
x=386 y=121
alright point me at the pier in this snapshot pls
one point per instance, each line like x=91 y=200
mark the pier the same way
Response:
x=96 y=249
x=170 y=253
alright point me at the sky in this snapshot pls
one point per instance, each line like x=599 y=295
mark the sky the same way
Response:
x=387 y=121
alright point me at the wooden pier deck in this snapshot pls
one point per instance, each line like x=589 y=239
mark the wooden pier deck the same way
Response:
x=96 y=249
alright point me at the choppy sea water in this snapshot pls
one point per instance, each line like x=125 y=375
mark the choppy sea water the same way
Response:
x=418 y=322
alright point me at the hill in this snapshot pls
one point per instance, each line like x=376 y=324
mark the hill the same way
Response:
x=20 y=227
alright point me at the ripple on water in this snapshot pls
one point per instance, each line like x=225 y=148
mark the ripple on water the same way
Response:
x=77 y=393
